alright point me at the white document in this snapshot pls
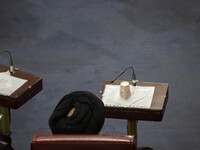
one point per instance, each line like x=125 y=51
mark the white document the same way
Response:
x=141 y=96
x=9 y=84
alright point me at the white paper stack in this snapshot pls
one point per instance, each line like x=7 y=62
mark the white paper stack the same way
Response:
x=9 y=84
x=141 y=96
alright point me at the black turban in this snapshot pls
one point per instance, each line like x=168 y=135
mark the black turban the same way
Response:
x=88 y=116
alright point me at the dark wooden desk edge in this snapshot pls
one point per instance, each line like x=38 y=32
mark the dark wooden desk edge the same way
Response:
x=130 y=113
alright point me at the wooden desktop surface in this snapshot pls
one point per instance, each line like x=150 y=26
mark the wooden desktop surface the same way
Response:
x=24 y=93
x=154 y=113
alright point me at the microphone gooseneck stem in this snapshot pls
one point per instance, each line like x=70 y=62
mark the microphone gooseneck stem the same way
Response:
x=11 y=61
x=133 y=76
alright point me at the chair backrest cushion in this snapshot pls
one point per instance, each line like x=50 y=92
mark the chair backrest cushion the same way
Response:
x=83 y=142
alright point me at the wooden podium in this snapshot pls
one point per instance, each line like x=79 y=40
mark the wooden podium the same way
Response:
x=154 y=113
x=19 y=97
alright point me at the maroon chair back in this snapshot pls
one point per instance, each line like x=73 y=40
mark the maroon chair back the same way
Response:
x=83 y=142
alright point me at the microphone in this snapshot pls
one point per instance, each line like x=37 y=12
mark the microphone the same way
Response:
x=133 y=76
x=11 y=61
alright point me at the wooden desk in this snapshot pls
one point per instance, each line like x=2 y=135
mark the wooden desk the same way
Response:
x=19 y=97
x=154 y=113
x=24 y=93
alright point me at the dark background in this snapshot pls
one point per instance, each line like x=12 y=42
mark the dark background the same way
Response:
x=75 y=45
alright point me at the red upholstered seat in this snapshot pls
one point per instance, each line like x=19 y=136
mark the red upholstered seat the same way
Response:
x=83 y=142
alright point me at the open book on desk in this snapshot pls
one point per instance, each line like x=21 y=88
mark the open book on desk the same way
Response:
x=9 y=84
